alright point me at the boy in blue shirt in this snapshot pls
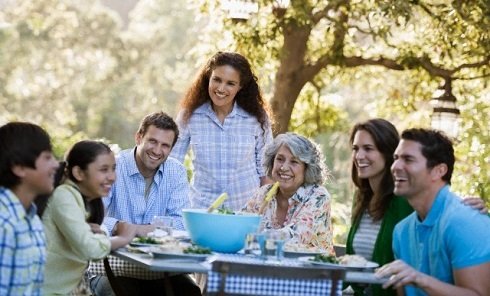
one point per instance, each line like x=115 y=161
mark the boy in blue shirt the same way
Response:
x=27 y=169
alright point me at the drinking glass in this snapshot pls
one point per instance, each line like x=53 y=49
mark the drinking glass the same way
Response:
x=255 y=244
x=274 y=244
x=165 y=223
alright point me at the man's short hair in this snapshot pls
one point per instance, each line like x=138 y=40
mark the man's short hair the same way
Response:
x=160 y=120
x=437 y=148
x=21 y=143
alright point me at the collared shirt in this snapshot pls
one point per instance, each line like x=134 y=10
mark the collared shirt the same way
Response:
x=227 y=157
x=452 y=236
x=22 y=247
x=71 y=242
x=169 y=193
x=307 y=222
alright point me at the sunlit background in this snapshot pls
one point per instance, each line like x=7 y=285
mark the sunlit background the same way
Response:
x=93 y=69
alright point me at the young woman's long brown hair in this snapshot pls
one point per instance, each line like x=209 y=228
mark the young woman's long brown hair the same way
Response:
x=249 y=97
x=386 y=139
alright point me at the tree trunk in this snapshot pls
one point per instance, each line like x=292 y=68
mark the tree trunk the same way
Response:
x=290 y=77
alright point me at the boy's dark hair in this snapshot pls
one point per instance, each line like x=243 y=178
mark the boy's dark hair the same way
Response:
x=160 y=120
x=437 y=148
x=21 y=143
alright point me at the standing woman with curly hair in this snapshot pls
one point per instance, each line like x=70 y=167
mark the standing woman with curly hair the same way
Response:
x=226 y=123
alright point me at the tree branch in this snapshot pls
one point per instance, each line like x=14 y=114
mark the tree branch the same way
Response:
x=486 y=61
x=335 y=56
x=471 y=78
x=318 y=16
x=423 y=62
x=360 y=61
x=434 y=70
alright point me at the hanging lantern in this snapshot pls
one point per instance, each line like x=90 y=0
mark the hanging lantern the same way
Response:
x=279 y=7
x=445 y=115
x=239 y=10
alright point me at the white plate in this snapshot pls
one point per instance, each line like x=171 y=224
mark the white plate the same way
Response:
x=171 y=255
x=136 y=244
x=297 y=254
x=180 y=234
x=309 y=259
x=368 y=265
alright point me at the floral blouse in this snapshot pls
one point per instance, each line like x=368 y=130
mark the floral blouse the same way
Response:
x=307 y=222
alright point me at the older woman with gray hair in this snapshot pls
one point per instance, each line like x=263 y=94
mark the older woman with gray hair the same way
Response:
x=297 y=204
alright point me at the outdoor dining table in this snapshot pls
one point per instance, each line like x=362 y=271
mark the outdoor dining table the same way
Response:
x=238 y=274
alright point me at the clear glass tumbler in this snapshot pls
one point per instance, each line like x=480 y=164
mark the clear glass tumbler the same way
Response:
x=274 y=244
x=255 y=244
x=165 y=223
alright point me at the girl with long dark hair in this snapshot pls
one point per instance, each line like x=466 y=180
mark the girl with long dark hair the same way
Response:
x=73 y=216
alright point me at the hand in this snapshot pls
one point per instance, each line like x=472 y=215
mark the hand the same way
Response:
x=143 y=230
x=95 y=228
x=476 y=203
x=400 y=274
x=126 y=229
x=123 y=234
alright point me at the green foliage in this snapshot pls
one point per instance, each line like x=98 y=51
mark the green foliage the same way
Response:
x=472 y=170
x=315 y=114
x=61 y=144
x=70 y=67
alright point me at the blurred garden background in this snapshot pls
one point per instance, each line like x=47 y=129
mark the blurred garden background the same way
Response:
x=93 y=69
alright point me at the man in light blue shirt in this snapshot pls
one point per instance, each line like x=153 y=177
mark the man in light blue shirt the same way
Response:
x=148 y=183
x=27 y=170
x=443 y=248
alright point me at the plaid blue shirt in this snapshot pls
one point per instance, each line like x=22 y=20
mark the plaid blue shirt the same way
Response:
x=169 y=193
x=226 y=157
x=22 y=247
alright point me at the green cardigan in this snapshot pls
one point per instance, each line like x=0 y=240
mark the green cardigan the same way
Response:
x=383 y=253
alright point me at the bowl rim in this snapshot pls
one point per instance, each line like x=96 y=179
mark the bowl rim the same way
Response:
x=204 y=211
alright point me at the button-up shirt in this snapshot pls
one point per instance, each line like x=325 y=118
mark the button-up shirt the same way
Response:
x=307 y=223
x=169 y=193
x=71 y=242
x=226 y=157
x=22 y=247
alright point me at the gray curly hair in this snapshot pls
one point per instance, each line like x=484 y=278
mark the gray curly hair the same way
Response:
x=316 y=172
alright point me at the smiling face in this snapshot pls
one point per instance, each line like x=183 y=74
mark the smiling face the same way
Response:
x=288 y=170
x=96 y=180
x=153 y=149
x=39 y=180
x=224 y=84
x=369 y=161
x=410 y=172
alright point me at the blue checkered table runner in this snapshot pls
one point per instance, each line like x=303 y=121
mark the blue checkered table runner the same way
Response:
x=258 y=285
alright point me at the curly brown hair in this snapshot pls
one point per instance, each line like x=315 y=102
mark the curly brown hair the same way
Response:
x=249 y=97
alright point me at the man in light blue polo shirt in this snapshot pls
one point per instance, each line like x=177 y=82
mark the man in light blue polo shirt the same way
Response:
x=443 y=248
